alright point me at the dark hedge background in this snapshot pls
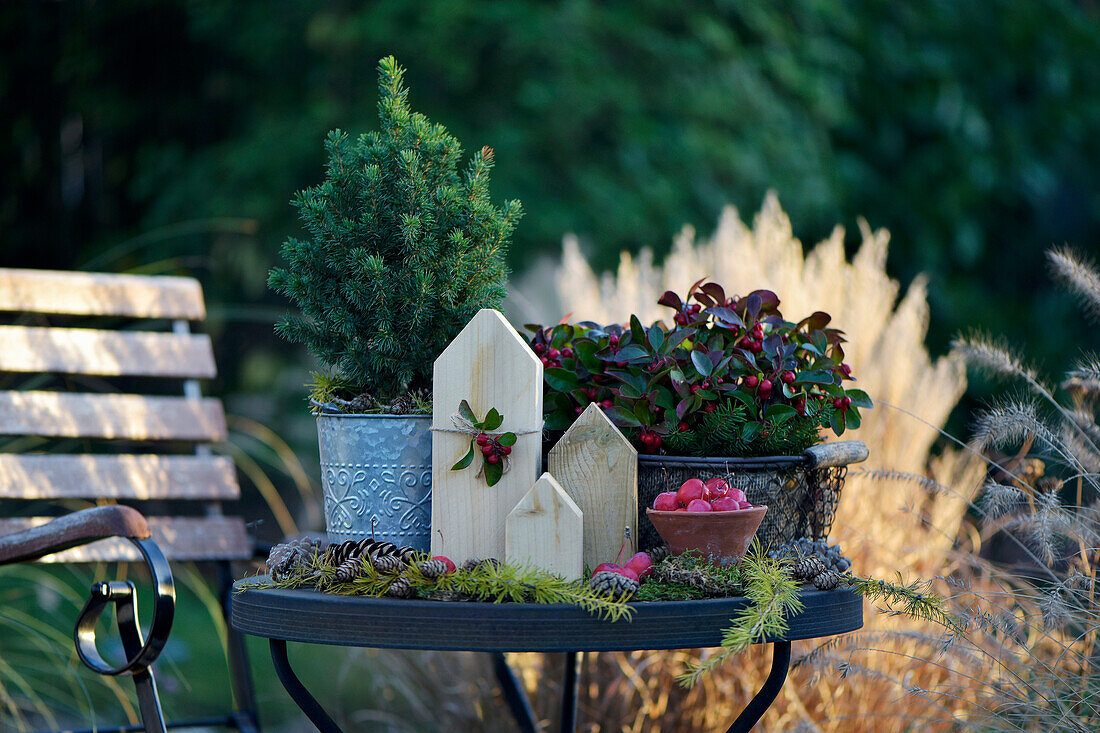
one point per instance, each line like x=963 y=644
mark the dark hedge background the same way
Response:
x=170 y=136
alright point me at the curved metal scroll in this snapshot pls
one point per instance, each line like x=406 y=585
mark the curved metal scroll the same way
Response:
x=139 y=653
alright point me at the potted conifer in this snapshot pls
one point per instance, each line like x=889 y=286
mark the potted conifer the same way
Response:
x=403 y=250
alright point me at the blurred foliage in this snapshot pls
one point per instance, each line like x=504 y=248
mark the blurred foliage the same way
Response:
x=967 y=129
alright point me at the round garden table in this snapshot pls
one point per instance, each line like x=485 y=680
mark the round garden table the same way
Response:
x=311 y=617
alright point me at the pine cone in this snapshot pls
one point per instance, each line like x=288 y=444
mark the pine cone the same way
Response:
x=828 y=580
x=400 y=588
x=473 y=564
x=349 y=570
x=401 y=405
x=433 y=568
x=337 y=554
x=387 y=564
x=658 y=553
x=379 y=549
x=807 y=568
x=284 y=558
x=617 y=586
x=408 y=555
x=362 y=403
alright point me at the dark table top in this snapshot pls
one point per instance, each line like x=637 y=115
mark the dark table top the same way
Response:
x=387 y=623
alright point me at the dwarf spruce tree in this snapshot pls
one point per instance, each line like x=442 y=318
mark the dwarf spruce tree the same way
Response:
x=403 y=250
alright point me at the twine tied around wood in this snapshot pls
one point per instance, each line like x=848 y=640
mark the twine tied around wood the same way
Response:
x=465 y=422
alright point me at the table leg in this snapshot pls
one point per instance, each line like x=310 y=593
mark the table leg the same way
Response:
x=514 y=694
x=569 y=688
x=298 y=692
x=781 y=662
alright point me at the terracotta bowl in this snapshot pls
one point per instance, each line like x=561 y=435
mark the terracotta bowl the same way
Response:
x=725 y=536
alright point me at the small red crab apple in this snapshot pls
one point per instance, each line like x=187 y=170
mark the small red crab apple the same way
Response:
x=715 y=487
x=698 y=505
x=446 y=561
x=690 y=490
x=666 y=502
x=724 y=504
x=641 y=563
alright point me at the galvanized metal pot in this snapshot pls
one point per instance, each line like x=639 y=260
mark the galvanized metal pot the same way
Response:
x=377 y=469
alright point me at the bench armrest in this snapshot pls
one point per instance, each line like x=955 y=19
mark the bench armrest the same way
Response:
x=78 y=528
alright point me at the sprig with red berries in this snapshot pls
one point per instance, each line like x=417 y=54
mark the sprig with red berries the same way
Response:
x=493 y=447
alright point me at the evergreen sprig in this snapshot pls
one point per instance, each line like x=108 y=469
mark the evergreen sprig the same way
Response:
x=773 y=596
x=486 y=582
x=915 y=600
x=403 y=250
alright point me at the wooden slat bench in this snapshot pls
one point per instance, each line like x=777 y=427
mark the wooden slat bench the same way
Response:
x=137 y=445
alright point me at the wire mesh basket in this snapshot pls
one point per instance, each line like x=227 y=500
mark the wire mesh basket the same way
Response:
x=801 y=492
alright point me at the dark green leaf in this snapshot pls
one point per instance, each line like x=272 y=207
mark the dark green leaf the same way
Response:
x=853 y=420
x=814 y=377
x=702 y=363
x=637 y=332
x=779 y=414
x=466 y=411
x=656 y=337
x=508 y=439
x=493 y=420
x=860 y=398
x=493 y=472
x=561 y=380
x=836 y=420
x=467 y=459
x=749 y=431
x=623 y=417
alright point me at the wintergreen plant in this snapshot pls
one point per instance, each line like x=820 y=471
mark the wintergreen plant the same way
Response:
x=403 y=250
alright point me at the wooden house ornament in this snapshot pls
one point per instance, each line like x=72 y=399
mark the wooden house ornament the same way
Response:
x=544 y=530
x=490 y=366
x=598 y=467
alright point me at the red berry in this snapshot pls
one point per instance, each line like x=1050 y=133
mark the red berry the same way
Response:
x=690 y=490
x=758 y=331
x=578 y=409
x=590 y=392
x=539 y=348
x=838 y=403
x=482 y=439
x=486 y=449
x=658 y=441
x=613 y=339
x=553 y=353
x=447 y=561
x=694 y=308
x=846 y=369
x=846 y=403
x=492 y=458
x=787 y=377
x=698 y=505
x=756 y=347
x=680 y=319
x=683 y=427
x=718 y=380
x=710 y=407
x=567 y=353
x=605 y=404
x=751 y=381
x=606 y=567
x=641 y=563
x=666 y=501
x=544 y=360
x=724 y=504
x=695 y=388
x=766 y=385
x=505 y=450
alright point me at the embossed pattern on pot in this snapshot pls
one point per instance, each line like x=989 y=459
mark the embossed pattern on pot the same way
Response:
x=377 y=469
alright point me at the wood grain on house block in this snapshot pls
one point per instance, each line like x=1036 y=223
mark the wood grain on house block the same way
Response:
x=99 y=294
x=105 y=353
x=598 y=467
x=490 y=366
x=545 y=530
x=180 y=538
x=110 y=416
x=131 y=477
